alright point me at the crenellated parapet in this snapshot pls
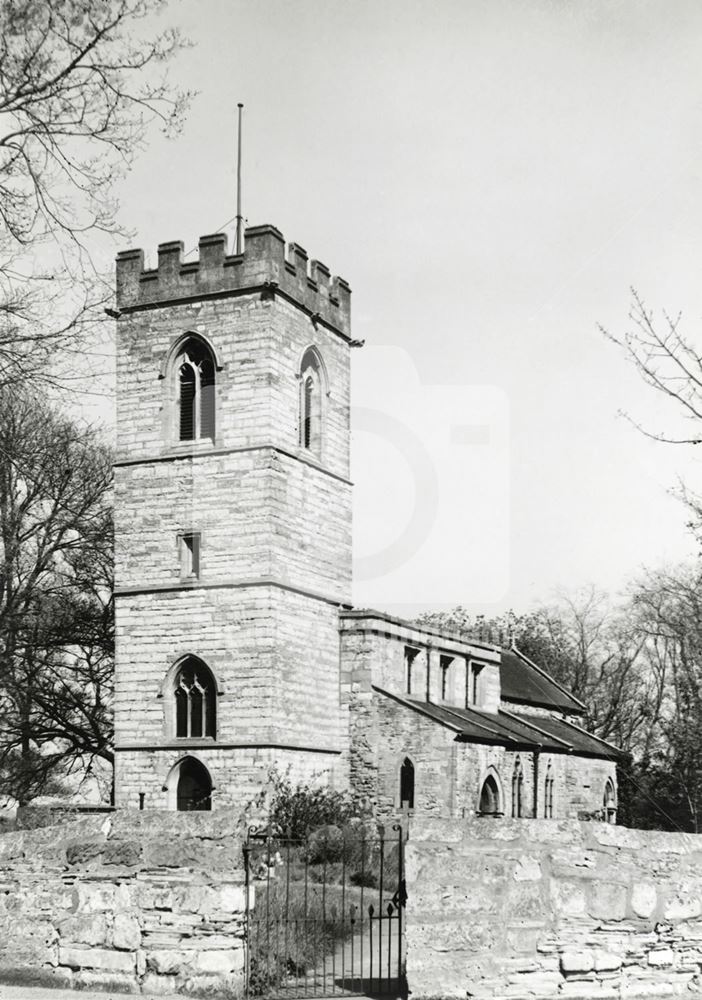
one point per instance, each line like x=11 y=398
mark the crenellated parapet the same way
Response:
x=266 y=265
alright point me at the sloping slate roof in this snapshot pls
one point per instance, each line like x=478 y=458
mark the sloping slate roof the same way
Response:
x=523 y=683
x=517 y=732
x=581 y=741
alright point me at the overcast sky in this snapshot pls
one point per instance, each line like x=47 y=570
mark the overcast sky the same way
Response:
x=490 y=178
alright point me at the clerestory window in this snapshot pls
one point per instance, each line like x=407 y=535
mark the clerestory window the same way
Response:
x=410 y=680
x=195 y=701
x=445 y=666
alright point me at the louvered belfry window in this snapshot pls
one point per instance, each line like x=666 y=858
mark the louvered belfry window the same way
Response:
x=196 y=391
x=195 y=701
x=311 y=403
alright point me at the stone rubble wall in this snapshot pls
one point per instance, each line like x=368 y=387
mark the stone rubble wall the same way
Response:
x=145 y=902
x=540 y=909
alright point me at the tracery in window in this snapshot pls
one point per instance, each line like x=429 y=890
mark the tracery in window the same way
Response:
x=195 y=701
x=195 y=391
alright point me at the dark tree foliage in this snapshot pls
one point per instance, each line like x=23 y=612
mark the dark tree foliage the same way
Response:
x=296 y=810
x=56 y=621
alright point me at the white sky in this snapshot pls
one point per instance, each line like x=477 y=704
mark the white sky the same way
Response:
x=490 y=177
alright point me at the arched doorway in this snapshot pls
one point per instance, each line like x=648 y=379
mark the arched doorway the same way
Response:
x=194 y=792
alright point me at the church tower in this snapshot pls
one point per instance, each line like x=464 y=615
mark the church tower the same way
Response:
x=232 y=520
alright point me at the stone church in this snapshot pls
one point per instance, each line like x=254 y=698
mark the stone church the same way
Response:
x=237 y=646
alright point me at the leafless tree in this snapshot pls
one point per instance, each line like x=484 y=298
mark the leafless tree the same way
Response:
x=81 y=81
x=56 y=626
x=586 y=645
x=667 y=611
x=667 y=361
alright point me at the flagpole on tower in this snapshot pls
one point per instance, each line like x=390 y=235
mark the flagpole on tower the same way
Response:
x=239 y=218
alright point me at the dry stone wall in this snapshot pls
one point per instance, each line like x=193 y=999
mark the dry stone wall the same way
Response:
x=543 y=909
x=133 y=902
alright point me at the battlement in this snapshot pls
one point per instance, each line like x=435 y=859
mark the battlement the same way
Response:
x=266 y=265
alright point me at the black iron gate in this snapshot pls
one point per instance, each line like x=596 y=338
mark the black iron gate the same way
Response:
x=325 y=914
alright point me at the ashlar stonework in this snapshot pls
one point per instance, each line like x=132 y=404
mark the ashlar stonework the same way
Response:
x=237 y=646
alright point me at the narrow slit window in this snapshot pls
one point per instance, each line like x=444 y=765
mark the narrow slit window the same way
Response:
x=190 y=555
x=407 y=784
x=610 y=802
x=517 y=790
x=548 y=793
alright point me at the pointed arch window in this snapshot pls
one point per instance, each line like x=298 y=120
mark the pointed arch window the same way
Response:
x=548 y=793
x=517 y=790
x=311 y=402
x=195 y=391
x=407 y=784
x=489 y=803
x=195 y=701
x=609 y=802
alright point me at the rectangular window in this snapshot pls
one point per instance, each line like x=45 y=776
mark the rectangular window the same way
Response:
x=190 y=556
x=410 y=657
x=445 y=662
x=474 y=692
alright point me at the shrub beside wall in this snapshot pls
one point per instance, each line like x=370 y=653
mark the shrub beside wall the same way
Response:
x=537 y=908
x=133 y=902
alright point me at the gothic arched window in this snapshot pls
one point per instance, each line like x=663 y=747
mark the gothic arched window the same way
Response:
x=548 y=793
x=517 y=790
x=194 y=792
x=311 y=402
x=609 y=802
x=195 y=700
x=407 y=784
x=489 y=804
x=195 y=390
